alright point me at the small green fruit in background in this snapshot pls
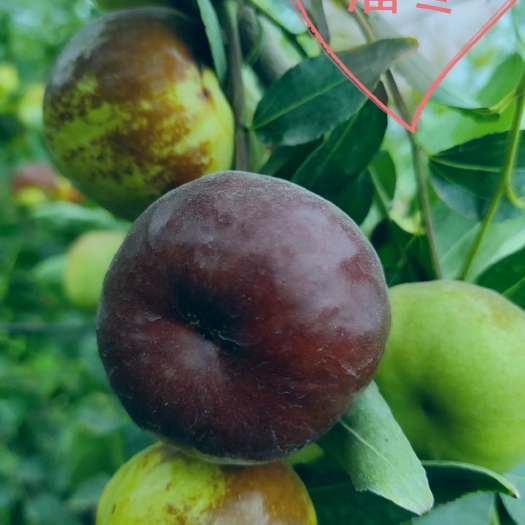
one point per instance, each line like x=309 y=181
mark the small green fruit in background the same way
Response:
x=132 y=109
x=9 y=80
x=87 y=262
x=454 y=372
x=162 y=486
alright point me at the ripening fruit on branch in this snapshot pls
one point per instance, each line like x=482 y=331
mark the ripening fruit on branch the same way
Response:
x=162 y=486
x=454 y=372
x=132 y=109
x=36 y=183
x=86 y=264
x=241 y=317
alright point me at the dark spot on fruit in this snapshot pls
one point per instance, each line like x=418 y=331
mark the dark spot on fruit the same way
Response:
x=113 y=508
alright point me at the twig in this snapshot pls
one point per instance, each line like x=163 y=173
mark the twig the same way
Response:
x=229 y=12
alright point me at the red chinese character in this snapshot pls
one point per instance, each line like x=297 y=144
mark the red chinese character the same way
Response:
x=434 y=7
x=376 y=5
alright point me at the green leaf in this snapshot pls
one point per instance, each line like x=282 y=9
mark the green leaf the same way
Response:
x=507 y=276
x=282 y=13
x=503 y=82
x=73 y=219
x=405 y=256
x=474 y=509
x=383 y=171
x=375 y=452
x=214 y=33
x=316 y=13
x=449 y=480
x=455 y=235
x=335 y=169
x=337 y=502
x=285 y=160
x=516 y=507
x=314 y=96
x=466 y=176
x=48 y=509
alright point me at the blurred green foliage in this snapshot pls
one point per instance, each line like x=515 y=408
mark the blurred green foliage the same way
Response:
x=62 y=433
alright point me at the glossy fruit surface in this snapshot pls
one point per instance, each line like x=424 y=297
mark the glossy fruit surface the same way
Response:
x=87 y=262
x=454 y=372
x=242 y=316
x=132 y=109
x=161 y=486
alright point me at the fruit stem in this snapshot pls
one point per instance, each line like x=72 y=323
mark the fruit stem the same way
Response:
x=505 y=178
x=416 y=150
x=229 y=15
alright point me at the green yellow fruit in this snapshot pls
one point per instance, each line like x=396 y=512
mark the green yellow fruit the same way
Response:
x=132 y=109
x=87 y=262
x=9 y=80
x=162 y=486
x=454 y=372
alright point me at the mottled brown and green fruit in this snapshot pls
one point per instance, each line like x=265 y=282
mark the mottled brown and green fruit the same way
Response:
x=241 y=317
x=454 y=372
x=162 y=486
x=132 y=109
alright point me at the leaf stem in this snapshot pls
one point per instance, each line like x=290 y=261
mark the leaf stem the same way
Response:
x=417 y=154
x=504 y=179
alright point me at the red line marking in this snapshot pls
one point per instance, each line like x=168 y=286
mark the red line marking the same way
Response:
x=434 y=8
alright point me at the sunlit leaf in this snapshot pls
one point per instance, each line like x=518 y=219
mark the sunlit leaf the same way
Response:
x=375 y=452
x=474 y=509
x=282 y=12
x=507 y=276
x=466 y=176
x=214 y=34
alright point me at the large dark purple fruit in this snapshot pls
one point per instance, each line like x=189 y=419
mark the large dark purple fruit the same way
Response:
x=242 y=316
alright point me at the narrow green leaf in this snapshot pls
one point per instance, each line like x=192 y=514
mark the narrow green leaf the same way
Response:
x=405 y=256
x=384 y=172
x=516 y=507
x=213 y=32
x=466 y=176
x=315 y=11
x=377 y=455
x=282 y=13
x=507 y=277
x=315 y=96
x=285 y=160
x=345 y=153
x=474 y=509
x=337 y=502
x=503 y=82
x=450 y=480
x=455 y=235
